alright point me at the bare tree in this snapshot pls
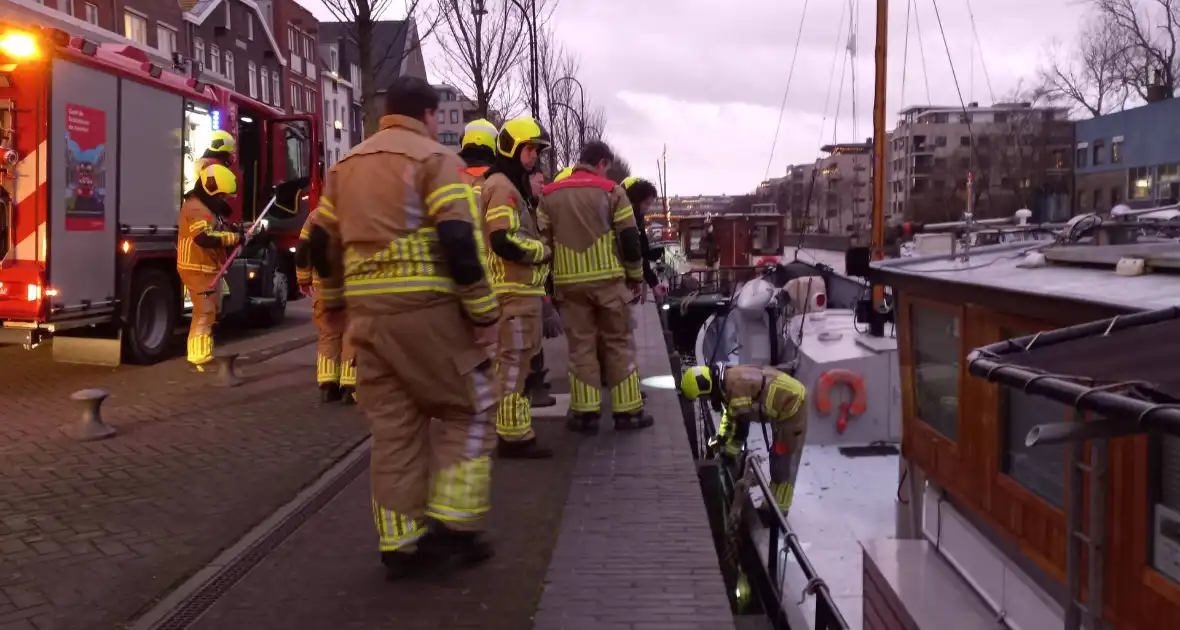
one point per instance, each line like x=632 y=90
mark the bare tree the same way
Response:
x=482 y=41
x=1090 y=77
x=360 y=18
x=559 y=98
x=1149 y=30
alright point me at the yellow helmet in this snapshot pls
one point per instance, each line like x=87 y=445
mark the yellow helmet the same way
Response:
x=630 y=180
x=221 y=142
x=521 y=131
x=696 y=382
x=219 y=180
x=564 y=173
x=480 y=133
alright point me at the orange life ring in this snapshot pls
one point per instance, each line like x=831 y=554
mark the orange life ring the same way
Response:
x=766 y=261
x=854 y=407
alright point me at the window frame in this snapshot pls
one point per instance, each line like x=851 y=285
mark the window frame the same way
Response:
x=128 y=16
x=252 y=79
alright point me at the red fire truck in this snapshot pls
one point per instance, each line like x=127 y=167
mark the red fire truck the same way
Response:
x=97 y=145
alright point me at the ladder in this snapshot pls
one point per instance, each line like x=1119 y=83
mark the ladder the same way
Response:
x=1090 y=540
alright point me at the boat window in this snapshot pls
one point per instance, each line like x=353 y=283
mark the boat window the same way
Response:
x=694 y=239
x=1039 y=469
x=1165 y=520
x=764 y=239
x=936 y=369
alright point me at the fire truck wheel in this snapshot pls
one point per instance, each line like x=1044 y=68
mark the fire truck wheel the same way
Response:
x=153 y=315
x=273 y=314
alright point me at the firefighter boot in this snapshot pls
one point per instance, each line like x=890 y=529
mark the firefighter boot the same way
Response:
x=632 y=421
x=329 y=392
x=538 y=389
x=447 y=548
x=524 y=449
x=583 y=422
x=348 y=395
x=403 y=564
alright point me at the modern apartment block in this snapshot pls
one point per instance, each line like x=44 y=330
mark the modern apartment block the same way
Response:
x=843 y=188
x=1021 y=158
x=454 y=112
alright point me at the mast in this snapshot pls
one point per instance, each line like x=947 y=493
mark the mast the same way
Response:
x=879 y=140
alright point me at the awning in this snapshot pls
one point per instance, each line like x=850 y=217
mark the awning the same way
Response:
x=1125 y=369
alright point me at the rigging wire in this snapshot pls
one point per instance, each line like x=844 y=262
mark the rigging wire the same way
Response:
x=905 y=48
x=922 y=52
x=979 y=46
x=790 y=75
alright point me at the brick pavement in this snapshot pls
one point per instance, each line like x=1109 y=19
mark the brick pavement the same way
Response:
x=328 y=575
x=635 y=550
x=91 y=533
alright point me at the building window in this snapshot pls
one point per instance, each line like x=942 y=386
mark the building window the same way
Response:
x=229 y=66
x=276 y=90
x=199 y=53
x=1080 y=158
x=1165 y=522
x=355 y=74
x=337 y=154
x=940 y=141
x=214 y=60
x=166 y=40
x=442 y=117
x=91 y=13
x=1099 y=152
x=252 y=79
x=1139 y=183
x=1116 y=151
x=936 y=369
x=295 y=104
x=310 y=99
x=249 y=26
x=454 y=116
x=292 y=40
x=964 y=141
x=265 y=85
x=308 y=45
x=135 y=28
x=333 y=60
x=1058 y=158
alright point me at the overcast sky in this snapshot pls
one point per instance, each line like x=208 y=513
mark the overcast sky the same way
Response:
x=707 y=78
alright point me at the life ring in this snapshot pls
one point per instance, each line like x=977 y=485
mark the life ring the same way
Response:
x=853 y=408
x=766 y=261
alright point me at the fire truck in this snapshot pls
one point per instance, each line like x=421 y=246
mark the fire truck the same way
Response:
x=97 y=145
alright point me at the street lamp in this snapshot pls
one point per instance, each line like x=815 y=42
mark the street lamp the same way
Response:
x=580 y=114
x=578 y=118
x=530 y=18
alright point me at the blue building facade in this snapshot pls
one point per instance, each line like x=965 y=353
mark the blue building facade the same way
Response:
x=1130 y=157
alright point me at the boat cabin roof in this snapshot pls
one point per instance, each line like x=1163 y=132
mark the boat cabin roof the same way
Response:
x=1082 y=273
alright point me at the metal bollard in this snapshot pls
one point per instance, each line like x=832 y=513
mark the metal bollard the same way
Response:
x=226 y=376
x=90 y=426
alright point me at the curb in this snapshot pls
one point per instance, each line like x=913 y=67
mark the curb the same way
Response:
x=185 y=604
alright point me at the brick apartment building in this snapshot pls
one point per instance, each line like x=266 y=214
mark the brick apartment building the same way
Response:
x=232 y=43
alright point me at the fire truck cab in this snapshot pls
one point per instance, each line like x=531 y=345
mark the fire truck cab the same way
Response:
x=97 y=147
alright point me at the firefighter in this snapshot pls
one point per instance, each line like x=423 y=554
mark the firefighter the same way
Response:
x=746 y=394
x=479 y=151
x=201 y=249
x=335 y=360
x=563 y=173
x=641 y=193
x=402 y=239
x=220 y=151
x=597 y=267
x=536 y=387
x=518 y=271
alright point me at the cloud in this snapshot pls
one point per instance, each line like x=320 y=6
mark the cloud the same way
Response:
x=707 y=78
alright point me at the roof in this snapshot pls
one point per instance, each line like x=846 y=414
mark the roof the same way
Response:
x=202 y=9
x=389 y=45
x=998 y=267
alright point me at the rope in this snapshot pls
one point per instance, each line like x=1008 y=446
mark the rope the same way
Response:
x=790 y=75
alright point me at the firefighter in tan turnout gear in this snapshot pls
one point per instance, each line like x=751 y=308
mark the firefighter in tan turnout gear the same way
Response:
x=518 y=269
x=201 y=249
x=220 y=151
x=403 y=239
x=590 y=226
x=746 y=394
x=335 y=371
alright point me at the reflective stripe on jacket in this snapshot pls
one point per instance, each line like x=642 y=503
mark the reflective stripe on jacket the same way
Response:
x=504 y=210
x=580 y=218
x=196 y=219
x=764 y=391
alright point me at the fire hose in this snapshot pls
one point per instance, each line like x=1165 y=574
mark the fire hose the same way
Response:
x=238 y=250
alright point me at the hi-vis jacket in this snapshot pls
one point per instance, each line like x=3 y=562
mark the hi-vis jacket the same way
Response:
x=203 y=238
x=761 y=394
x=590 y=226
x=304 y=273
x=520 y=263
x=403 y=228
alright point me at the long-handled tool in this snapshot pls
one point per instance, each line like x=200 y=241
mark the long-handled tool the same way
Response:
x=238 y=250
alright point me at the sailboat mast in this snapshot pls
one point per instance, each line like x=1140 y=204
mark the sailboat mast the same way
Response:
x=880 y=137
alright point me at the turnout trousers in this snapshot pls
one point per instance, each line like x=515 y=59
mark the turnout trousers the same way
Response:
x=597 y=318
x=200 y=329
x=416 y=366
x=788 y=436
x=519 y=342
x=335 y=358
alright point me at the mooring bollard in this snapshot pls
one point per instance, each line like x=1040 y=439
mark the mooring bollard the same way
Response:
x=226 y=376
x=90 y=426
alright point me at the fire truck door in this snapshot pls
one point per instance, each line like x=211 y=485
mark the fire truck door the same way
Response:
x=292 y=169
x=83 y=191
